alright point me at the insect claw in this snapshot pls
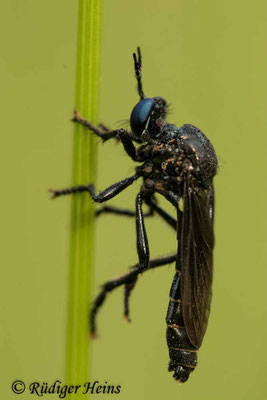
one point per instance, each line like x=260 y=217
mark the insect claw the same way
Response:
x=127 y=318
x=76 y=116
x=54 y=193
x=93 y=335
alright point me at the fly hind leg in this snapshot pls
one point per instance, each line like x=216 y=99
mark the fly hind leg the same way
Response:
x=129 y=278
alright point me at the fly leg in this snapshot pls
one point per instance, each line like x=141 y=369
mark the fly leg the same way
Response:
x=103 y=127
x=141 y=236
x=151 y=202
x=101 y=131
x=121 y=211
x=105 y=195
x=142 y=242
x=123 y=280
x=104 y=134
x=130 y=285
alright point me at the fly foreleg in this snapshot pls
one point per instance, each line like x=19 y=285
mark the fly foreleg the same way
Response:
x=101 y=131
x=105 y=134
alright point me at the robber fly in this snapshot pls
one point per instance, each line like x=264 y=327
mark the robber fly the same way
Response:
x=179 y=164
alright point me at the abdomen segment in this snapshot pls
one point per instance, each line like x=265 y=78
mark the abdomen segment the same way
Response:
x=183 y=355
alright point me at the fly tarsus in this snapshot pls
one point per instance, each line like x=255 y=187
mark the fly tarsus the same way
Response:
x=101 y=131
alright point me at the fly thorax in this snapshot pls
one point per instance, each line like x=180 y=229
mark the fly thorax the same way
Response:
x=200 y=152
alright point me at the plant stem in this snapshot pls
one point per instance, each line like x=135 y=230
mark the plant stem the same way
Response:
x=82 y=210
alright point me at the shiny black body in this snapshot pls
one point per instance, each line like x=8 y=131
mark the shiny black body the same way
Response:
x=179 y=164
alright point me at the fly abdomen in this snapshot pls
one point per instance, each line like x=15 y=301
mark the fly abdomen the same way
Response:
x=183 y=355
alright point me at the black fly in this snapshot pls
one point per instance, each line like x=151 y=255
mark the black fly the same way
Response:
x=179 y=164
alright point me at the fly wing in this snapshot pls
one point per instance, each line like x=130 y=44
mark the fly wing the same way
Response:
x=195 y=259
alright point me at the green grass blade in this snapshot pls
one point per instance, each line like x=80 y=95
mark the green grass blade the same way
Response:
x=82 y=210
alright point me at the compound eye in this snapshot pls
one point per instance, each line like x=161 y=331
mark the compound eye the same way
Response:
x=140 y=115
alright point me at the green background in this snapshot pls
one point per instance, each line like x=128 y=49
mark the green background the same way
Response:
x=208 y=59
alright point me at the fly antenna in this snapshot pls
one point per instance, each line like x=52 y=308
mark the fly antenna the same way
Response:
x=138 y=72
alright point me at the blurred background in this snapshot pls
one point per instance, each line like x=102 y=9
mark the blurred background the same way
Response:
x=208 y=59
